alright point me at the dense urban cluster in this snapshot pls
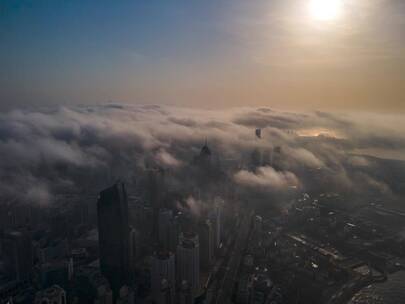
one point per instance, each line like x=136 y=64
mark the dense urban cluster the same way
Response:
x=149 y=246
x=115 y=248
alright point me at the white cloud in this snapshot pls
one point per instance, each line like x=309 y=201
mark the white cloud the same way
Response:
x=266 y=178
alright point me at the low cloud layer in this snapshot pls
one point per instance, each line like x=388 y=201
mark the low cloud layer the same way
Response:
x=266 y=178
x=51 y=151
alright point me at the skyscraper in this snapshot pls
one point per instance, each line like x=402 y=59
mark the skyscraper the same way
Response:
x=188 y=260
x=18 y=255
x=206 y=235
x=113 y=232
x=215 y=217
x=155 y=194
x=134 y=248
x=173 y=234
x=204 y=159
x=163 y=277
x=165 y=221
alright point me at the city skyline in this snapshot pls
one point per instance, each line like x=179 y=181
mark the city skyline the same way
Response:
x=202 y=152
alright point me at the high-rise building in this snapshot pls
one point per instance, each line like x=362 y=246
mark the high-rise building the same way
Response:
x=164 y=295
x=104 y=295
x=155 y=195
x=186 y=295
x=164 y=223
x=53 y=250
x=206 y=235
x=142 y=219
x=126 y=296
x=188 y=260
x=258 y=133
x=51 y=295
x=257 y=224
x=90 y=286
x=276 y=158
x=174 y=234
x=134 y=248
x=242 y=291
x=56 y=272
x=216 y=216
x=18 y=255
x=163 y=277
x=260 y=288
x=256 y=159
x=113 y=237
x=204 y=158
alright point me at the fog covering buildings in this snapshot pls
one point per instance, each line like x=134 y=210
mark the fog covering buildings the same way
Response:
x=172 y=232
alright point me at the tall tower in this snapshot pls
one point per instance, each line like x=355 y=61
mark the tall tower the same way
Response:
x=163 y=277
x=188 y=260
x=205 y=156
x=113 y=237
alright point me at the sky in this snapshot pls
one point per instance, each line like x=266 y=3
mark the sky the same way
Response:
x=211 y=53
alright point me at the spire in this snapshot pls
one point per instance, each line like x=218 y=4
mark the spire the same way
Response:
x=205 y=150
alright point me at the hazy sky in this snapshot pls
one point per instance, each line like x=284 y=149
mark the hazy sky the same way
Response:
x=203 y=53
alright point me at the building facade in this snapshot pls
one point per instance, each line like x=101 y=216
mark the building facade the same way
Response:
x=113 y=232
x=163 y=277
x=188 y=260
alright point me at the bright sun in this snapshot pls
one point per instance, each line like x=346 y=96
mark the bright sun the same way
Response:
x=325 y=9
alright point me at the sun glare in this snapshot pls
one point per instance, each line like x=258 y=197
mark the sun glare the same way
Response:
x=325 y=9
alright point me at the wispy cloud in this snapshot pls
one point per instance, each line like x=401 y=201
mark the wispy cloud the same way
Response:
x=70 y=149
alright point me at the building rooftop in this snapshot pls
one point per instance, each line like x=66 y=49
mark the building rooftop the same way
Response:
x=205 y=150
x=164 y=255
